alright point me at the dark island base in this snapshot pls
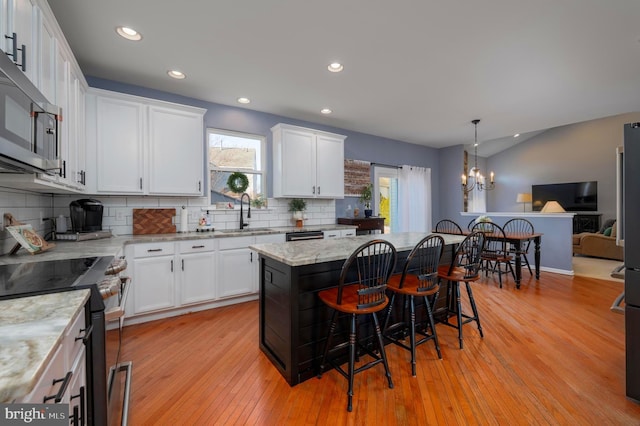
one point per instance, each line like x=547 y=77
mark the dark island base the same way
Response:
x=294 y=322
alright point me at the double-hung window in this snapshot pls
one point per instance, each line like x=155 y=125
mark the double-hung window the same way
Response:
x=230 y=152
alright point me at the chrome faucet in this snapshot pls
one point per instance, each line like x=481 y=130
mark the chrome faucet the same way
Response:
x=242 y=223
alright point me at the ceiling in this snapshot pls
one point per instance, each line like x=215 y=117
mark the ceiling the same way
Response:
x=416 y=71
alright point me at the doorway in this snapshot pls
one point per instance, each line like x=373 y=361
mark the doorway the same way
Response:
x=385 y=196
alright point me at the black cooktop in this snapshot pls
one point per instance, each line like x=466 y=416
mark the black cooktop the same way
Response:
x=34 y=278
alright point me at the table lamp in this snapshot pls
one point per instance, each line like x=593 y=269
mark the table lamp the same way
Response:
x=552 y=207
x=523 y=198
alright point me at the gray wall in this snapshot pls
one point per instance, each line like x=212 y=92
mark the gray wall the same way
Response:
x=573 y=153
x=358 y=146
x=450 y=202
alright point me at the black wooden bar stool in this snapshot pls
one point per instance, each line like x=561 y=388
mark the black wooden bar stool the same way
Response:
x=419 y=279
x=465 y=267
x=360 y=291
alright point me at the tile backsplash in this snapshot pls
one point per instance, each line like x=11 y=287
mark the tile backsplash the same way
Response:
x=40 y=209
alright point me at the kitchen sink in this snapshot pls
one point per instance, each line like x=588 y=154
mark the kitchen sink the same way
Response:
x=244 y=231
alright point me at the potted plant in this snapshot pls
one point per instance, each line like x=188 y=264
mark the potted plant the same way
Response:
x=297 y=206
x=365 y=198
x=259 y=201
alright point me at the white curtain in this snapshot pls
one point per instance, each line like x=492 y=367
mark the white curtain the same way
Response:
x=414 y=199
x=477 y=201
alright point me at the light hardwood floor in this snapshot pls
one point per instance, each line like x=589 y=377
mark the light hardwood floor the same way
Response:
x=553 y=353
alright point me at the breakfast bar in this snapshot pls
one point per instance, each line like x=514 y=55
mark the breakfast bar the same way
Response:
x=293 y=321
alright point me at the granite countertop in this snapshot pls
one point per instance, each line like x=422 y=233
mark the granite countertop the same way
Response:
x=111 y=246
x=298 y=253
x=31 y=328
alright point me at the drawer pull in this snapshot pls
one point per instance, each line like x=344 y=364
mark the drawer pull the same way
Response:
x=63 y=388
x=153 y=250
x=197 y=247
x=87 y=335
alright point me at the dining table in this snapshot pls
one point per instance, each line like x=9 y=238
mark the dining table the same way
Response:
x=518 y=240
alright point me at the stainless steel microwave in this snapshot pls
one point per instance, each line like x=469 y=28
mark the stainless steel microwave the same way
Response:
x=29 y=125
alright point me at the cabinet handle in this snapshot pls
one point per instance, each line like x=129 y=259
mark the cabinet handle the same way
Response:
x=63 y=388
x=140 y=183
x=152 y=250
x=197 y=247
x=318 y=190
x=313 y=191
x=79 y=419
x=87 y=335
x=63 y=170
x=172 y=266
x=251 y=257
x=183 y=264
x=14 y=51
x=199 y=186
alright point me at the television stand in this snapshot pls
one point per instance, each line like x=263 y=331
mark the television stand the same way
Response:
x=586 y=222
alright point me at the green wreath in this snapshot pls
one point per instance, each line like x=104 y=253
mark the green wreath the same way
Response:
x=238 y=182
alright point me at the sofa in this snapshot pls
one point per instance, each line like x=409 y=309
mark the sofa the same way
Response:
x=599 y=244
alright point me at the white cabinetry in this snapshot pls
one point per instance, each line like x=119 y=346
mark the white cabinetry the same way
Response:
x=53 y=69
x=153 y=277
x=238 y=265
x=197 y=281
x=160 y=143
x=339 y=233
x=17 y=21
x=307 y=163
x=66 y=370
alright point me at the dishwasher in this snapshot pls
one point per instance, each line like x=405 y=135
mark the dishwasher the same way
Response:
x=304 y=235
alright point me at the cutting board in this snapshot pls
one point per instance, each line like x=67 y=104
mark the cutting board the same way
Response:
x=153 y=221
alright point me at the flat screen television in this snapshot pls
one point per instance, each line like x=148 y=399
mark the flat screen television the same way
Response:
x=573 y=197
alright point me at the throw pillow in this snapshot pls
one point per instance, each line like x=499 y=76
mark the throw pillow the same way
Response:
x=614 y=230
x=607 y=232
x=607 y=224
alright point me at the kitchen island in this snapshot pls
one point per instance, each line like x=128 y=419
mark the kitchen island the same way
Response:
x=293 y=321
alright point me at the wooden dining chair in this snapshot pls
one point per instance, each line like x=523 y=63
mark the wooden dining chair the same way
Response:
x=361 y=290
x=448 y=226
x=496 y=256
x=520 y=226
x=418 y=280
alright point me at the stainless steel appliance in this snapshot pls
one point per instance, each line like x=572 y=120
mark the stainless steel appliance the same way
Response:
x=107 y=294
x=631 y=227
x=304 y=235
x=29 y=125
x=86 y=215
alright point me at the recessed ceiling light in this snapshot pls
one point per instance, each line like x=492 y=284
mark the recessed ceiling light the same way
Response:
x=516 y=135
x=129 y=33
x=244 y=100
x=335 y=67
x=178 y=75
x=325 y=111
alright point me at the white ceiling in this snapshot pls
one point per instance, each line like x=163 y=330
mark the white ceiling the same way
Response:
x=417 y=71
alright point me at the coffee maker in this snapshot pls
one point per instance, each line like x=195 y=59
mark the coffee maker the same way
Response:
x=86 y=215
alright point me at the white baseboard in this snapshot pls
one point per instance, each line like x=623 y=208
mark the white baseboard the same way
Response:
x=557 y=271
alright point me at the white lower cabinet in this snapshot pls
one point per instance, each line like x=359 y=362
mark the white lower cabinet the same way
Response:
x=153 y=281
x=174 y=277
x=66 y=370
x=197 y=282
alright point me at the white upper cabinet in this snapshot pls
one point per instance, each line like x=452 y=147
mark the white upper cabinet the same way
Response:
x=144 y=146
x=119 y=128
x=307 y=163
x=176 y=141
x=18 y=35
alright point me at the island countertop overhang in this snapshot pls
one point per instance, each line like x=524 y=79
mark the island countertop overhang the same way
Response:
x=299 y=253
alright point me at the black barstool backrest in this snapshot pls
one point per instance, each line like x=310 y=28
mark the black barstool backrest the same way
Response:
x=370 y=267
x=423 y=262
x=470 y=224
x=467 y=255
x=448 y=226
